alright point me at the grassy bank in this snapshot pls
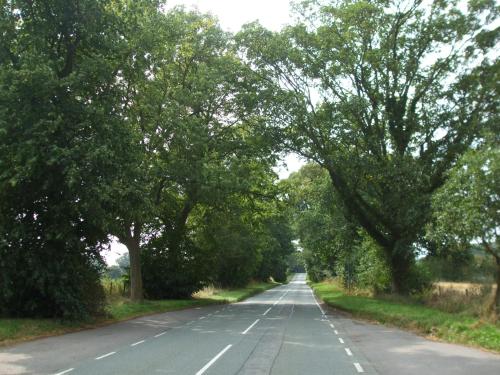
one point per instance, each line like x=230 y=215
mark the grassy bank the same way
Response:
x=455 y=328
x=119 y=309
x=234 y=295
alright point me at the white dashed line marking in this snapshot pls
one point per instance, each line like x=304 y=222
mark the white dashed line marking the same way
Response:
x=160 y=334
x=336 y=332
x=249 y=328
x=358 y=367
x=65 y=371
x=331 y=325
x=201 y=317
x=341 y=341
x=212 y=361
x=348 y=351
x=105 y=355
x=137 y=343
x=269 y=309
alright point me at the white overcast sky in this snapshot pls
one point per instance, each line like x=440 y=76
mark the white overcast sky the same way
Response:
x=232 y=14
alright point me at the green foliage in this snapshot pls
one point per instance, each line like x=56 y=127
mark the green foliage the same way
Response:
x=60 y=148
x=357 y=87
x=467 y=207
x=173 y=272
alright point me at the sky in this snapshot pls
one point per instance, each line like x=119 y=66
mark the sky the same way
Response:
x=232 y=14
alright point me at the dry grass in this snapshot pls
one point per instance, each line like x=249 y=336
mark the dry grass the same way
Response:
x=469 y=298
x=207 y=292
x=463 y=288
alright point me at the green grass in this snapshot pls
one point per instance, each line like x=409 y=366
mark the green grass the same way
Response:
x=119 y=309
x=236 y=295
x=124 y=309
x=455 y=328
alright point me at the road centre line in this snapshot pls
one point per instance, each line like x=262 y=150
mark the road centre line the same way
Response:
x=105 y=355
x=358 y=367
x=249 y=328
x=160 y=334
x=348 y=351
x=212 y=361
x=341 y=341
x=137 y=343
x=269 y=309
x=65 y=371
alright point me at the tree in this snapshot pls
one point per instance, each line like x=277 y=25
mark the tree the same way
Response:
x=185 y=86
x=61 y=145
x=332 y=241
x=467 y=206
x=360 y=88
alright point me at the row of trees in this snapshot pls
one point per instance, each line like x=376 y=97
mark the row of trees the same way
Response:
x=385 y=96
x=120 y=119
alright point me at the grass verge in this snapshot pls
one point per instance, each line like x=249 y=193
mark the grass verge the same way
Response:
x=17 y=330
x=235 y=295
x=455 y=328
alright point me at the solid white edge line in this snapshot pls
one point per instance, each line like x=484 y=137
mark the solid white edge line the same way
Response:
x=65 y=371
x=358 y=367
x=249 y=328
x=105 y=355
x=160 y=334
x=317 y=304
x=348 y=351
x=212 y=361
x=269 y=309
x=341 y=341
x=137 y=343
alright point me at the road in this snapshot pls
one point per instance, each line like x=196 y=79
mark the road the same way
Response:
x=281 y=331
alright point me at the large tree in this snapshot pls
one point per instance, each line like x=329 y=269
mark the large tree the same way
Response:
x=385 y=95
x=61 y=145
x=183 y=83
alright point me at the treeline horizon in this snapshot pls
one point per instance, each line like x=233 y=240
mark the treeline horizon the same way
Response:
x=118 y=118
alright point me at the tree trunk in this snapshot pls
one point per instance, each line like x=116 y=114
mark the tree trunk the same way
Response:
x=134 y=251
x=496 y=303
x=132 y=239
x=400 y=261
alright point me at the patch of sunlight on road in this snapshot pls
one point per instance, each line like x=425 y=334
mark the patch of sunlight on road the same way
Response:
x=9 y=367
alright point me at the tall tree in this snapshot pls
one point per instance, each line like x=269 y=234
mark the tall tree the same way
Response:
x=385 y=95
x=61 y=144
x=184 y=85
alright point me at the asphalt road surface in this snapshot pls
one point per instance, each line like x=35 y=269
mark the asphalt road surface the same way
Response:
x=281 y=331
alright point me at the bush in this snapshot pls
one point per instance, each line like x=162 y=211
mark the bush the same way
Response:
x=173 y=271
x=34 y=285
